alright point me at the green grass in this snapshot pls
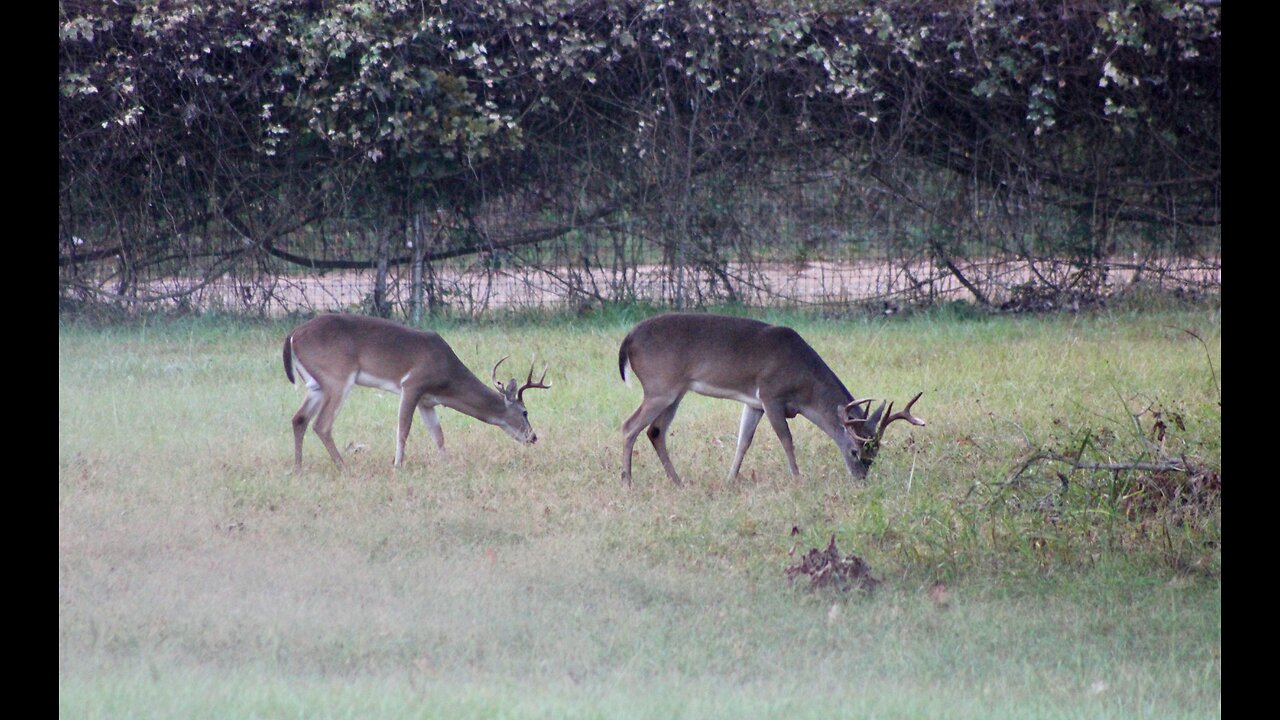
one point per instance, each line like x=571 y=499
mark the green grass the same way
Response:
x=198 y=577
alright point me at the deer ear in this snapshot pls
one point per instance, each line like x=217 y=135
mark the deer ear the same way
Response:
x=511 y=389
x=873 y=420
x=855 y=425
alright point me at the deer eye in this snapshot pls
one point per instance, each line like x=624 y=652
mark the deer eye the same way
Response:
x=525 y=413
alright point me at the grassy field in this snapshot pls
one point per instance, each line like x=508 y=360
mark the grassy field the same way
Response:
x=199 y=578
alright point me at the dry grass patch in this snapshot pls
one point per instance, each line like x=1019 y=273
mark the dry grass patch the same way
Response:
x=198 y=577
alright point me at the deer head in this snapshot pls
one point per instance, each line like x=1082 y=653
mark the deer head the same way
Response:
x=867 y=430
x=516 y=419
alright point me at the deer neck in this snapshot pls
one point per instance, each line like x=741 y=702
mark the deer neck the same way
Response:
x=825 y=410
x=478 y=400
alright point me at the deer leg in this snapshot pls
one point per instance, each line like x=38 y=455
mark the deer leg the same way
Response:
x=648 y=411
x=658 y=436
x=301 y=419
x=408 y=401
x=776 y=413
x=432 y=421
x=323 y=426
x=746 y=431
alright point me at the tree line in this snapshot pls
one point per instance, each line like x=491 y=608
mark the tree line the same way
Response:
x=195 y=137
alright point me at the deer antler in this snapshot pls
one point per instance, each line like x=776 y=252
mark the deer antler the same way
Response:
x=494 y=374
x=856 y=403
x=862 y=421
x=874 y=419
x=530 y=384
x=903 y=414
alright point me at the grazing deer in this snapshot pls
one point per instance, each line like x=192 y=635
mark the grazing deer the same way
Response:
x=333 y=352
x=770 y=369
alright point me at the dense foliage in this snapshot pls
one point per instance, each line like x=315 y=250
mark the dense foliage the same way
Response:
x=225 y=130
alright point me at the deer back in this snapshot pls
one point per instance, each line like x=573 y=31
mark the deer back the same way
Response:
x=374 y=347
x=700 y=351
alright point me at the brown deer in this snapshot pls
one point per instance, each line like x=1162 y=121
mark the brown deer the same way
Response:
x=770 y=369
x=331 y=353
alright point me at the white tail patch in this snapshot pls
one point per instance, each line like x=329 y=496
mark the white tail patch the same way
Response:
x=626 y=371
x=300 y=372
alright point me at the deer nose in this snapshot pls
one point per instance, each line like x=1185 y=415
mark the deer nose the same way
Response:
x=533 y=438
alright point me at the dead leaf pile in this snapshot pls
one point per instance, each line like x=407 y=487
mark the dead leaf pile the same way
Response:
x=828 y=569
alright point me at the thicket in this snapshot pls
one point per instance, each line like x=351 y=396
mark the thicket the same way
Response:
x=198 y=137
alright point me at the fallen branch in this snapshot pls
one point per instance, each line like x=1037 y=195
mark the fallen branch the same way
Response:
x=1181 y=465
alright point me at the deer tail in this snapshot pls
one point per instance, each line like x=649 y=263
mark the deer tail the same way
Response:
x=623 y=360
x=288 y=357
